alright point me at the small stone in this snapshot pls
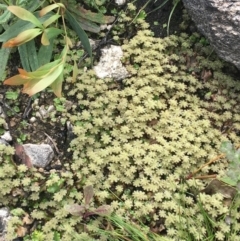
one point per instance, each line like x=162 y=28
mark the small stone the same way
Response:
x=32 y=119
x=38 y=115
x=2 y=113
x=34 y=155
x=4 y=217
x=35 y=104
x=68 y=104
x=6 y=136
x=120 y=2
x=51 y=108
x=43 y=112
x=105 y=26
x=12 y=123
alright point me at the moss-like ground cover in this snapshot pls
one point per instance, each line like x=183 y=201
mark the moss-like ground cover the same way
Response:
x=136 y=142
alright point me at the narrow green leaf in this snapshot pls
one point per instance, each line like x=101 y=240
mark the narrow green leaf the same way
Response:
x=80 y=32
x=32 y=55
x=91 y=16
x=51 y=20
x=21 y=26
x=31 y=6
x=5 y=16
x=4 y=55
x=50 y=8
x=22 y=49
x=57 y=85
x=45 y=70
x=53 y=32
x=88 y=25
x=25 y=15
x=85 y=24
x=3 y=6
x=45 y=53
x=44 y=39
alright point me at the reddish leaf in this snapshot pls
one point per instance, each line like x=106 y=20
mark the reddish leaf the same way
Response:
x=75 y=209
x=21 y=156
x=103 y=210
x=94 y=17
x=16 y=80
x=88 y=194
x=22 y=38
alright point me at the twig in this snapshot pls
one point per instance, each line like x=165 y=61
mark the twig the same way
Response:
x=53 y=142
x=9 y=108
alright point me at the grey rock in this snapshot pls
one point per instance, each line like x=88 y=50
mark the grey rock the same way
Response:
x=3 y=142
x=219 y=22
x=38 y=155
x=44 y=113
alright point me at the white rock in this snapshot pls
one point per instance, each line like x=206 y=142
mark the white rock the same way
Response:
x=120 y=2
x=43 y=112
x=4 y=218
x=105 y=26
x=110 y=64
x=6 y=136
x=51 y=108
x=32 y=119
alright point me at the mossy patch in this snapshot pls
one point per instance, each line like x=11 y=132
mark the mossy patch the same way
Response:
x=136 y=142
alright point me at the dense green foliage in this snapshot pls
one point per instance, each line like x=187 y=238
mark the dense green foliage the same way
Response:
x=136 y=142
